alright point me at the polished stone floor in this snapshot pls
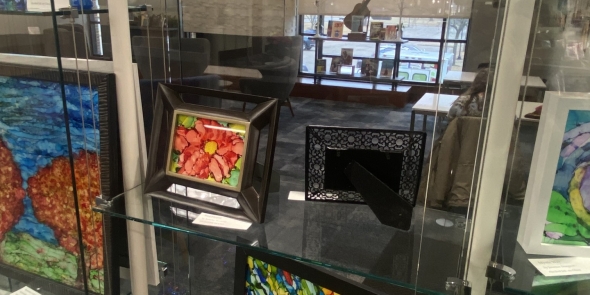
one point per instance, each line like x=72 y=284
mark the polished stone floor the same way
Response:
x=290 y=147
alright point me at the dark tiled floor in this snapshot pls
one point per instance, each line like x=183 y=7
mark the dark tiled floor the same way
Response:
x=210 y=264
x=290 y=148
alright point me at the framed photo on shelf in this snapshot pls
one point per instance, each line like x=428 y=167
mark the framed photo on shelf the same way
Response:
x=369 y=67
x=335 y=65
x=556 y=213
x=393 y=156
x=211 y=149
x=320 y=66
x=346 y=56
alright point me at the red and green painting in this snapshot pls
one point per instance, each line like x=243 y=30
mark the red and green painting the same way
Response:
x=208 y=150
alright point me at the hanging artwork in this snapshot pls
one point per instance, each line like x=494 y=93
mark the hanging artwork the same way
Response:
x=46 y=203
x=556 y=216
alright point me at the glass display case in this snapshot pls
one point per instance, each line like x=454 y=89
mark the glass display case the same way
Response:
x=444 y=161
x=547 y=218
x=59 y=145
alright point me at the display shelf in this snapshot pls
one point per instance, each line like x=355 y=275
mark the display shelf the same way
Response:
x=349 y=238
x=358 y=77
x=343 y=237
x=319 y=54
x=366 y=40
x=66 y=11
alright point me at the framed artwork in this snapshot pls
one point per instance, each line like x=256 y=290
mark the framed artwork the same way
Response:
x=211 y=149
x=39 y=142
x=393 y=156
x=262 y=273
x=556 y=213
x=208 y=150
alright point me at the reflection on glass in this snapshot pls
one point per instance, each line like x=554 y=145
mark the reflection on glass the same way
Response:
x=457 y=28
x=417 y=72
x=359 y=49
x=204 y=196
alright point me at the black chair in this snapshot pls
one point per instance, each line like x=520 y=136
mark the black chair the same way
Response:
x=280 y=75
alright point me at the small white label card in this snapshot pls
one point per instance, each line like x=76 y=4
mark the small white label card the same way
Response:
x=221 y=221
x=34 y=31
x=26 y=291
x=45 y=5
x=551 y=267
x=296 y=196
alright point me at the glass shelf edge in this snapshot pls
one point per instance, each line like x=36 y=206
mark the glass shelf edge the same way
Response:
x=105 y=211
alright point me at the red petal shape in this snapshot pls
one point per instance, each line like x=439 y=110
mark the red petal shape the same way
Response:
x=214 y=168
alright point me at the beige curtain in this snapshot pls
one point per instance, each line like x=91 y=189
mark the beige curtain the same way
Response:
x=236 y=17
x=409 y=8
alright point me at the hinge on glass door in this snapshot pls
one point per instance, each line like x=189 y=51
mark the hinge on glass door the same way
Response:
x=499 y=275
x=100 y=202
x=456 y=286
x=69 y=12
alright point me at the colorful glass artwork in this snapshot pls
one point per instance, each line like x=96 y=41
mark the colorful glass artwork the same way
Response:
x=568 y=216
x=266 y=279
x=38 y=227
x=208 y=150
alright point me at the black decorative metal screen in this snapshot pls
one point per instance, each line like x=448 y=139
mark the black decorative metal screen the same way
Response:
x=320 y=139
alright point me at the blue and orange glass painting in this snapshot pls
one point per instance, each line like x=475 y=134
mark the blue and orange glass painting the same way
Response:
x=568 y=216
x=266 y=279
x=38 y=228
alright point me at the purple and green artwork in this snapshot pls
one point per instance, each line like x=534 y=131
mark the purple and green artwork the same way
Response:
x=568 y=216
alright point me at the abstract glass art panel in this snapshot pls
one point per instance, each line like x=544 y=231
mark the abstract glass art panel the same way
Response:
x=266 y=279
x=39 y=231
x=568 y=216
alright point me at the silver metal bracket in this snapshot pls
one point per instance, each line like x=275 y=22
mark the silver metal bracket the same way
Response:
x=100 y=202
x=500 y=273
x=456 y=286
x=162 y=268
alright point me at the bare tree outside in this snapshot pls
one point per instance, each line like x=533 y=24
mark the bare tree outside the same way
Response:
x=457 y=26
x=312 y=20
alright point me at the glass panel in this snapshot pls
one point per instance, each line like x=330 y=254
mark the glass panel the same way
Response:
x=387 y=50
x=454 y=56
x=423 y=28
x=457 y=29
x=310 y=23
x=313 y=232
x=421 y=51
x=359 y=49
x=418 y=72
x=545 y=202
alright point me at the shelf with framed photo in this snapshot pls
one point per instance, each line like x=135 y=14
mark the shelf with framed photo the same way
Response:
x=333 y=70
x=344 y=238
